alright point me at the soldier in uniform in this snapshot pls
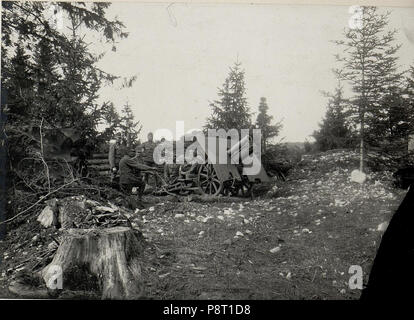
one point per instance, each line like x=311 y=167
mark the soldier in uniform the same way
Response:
x=148 y=151
x=149 y=147
x=130 y=177
x=116 y=151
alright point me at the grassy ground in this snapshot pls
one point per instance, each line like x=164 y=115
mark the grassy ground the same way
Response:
x=297 y=242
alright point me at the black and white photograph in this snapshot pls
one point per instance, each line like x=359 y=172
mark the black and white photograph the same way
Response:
x=206 y=151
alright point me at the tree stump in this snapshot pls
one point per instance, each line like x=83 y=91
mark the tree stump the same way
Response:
x=103 y=259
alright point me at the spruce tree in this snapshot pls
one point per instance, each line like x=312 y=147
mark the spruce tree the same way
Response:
x=19 y=86
x=264 y=123
x=112 y=120
x=409 y=94
x=334 y=131
x=46 y=79
x=369 y=65
x=70 y=99
x=231 y=110
x=130 y=128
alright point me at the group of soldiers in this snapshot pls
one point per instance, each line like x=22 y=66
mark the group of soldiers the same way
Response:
x=128 y=164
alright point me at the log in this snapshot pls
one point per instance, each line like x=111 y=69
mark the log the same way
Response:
x=100 y=167
x=109 y=260
x=98 y=161
x=100 y=156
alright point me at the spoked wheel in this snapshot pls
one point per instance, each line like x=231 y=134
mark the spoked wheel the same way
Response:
x=208 y=181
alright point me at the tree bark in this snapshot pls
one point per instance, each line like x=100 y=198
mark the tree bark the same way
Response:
x=361 y=148
x=111 y=256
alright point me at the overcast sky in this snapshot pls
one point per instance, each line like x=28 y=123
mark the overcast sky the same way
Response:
x=182 y=53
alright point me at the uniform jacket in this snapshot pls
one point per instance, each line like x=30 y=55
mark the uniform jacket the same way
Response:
x=129 y=170
x=115 y=154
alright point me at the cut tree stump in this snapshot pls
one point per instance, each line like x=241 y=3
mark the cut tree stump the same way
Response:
x=106 y=260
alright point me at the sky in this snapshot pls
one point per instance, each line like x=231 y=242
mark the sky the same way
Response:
x=181 y=54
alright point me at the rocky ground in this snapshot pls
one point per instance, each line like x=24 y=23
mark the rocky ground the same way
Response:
x=296 y=242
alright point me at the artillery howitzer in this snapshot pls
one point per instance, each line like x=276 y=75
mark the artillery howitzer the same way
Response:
x=211 y=177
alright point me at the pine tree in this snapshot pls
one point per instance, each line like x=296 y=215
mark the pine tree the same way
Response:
x=130 y=128
x=409 y=105
x=409 y=93
x=334 y=132
x=396 y=121
x=370 y=67
x=112 y=120
x=19 y=86
x=70 y=98
x=46 y=78
x=231 y=110
x=264 y=122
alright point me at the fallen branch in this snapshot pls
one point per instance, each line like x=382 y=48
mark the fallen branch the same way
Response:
x=37 y=202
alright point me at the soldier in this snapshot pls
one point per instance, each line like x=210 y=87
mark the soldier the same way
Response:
x=130 y=174
x=147 y=156
x=115 y=155
x=149 y=147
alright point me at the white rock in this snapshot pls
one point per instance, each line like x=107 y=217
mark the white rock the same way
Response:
x=358 y=176
x=105 y=209
x=179 y=215
x=205 y=219
x=47 y=217
x=274 y=250
x=382 y=226
x=228 y=211
x=339 y=203
x=239 y=234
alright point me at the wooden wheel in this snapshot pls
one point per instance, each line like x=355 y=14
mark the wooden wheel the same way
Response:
x=208 y=181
